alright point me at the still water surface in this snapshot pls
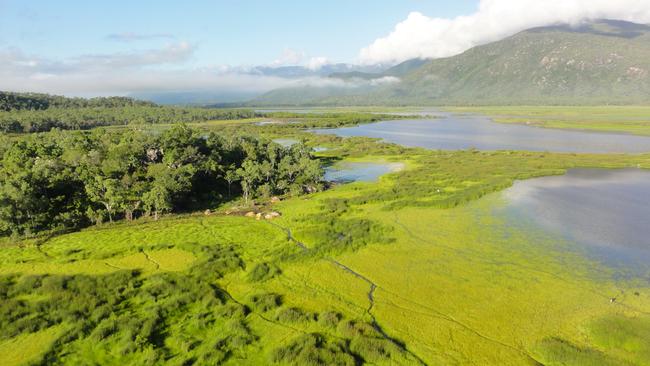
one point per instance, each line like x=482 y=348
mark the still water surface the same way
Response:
x=604 y=211
x=359 y=172
x=461 y=132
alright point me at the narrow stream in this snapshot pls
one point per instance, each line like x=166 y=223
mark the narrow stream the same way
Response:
x=371 y=292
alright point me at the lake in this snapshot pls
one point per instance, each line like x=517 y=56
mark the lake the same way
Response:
x=461 y=132
x=359 y=171
x=286 y=142
x=605 y=211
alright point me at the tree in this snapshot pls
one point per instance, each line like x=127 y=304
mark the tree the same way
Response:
x=64 y=179
x=37 y=191
x=166 y=182
x=230 y=176
x=105 y=191
x=249 y=174
x=133 y=188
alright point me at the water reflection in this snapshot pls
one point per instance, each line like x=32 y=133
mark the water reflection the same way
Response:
x=286 y=142
x=607 y=211
x=461 y=132
x=359 y=172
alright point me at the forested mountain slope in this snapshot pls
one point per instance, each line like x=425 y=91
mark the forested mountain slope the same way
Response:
x=600 y=62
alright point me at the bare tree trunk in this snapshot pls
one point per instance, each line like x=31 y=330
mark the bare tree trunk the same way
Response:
x=109 y=209
x=128 y=213
x=244 y=188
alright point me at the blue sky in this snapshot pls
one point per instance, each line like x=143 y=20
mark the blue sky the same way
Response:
x=101 y=47
x=248 y=32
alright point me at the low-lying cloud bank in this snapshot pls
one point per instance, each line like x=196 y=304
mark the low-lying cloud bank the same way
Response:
x=165 y=71
x=162 y=69
x=425 y=37
x=168 y=68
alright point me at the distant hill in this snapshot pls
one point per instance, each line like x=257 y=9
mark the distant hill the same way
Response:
x=400 y=69
x=344 y=94
x=302 y=71
x=10 y=101
x=600 y=62
x=352 y=85
x=195 y=98
x=227 y=95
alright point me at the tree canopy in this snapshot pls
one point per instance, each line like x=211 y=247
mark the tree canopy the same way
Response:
x=63 y=179
x=10 y=101
x=30 y=112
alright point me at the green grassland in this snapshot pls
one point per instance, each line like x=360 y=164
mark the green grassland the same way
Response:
x=414 y=269
x=627 y=119
x=350 y=109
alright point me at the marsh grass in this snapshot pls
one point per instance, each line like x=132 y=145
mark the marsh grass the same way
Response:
x=625 y=119
x=454 y=284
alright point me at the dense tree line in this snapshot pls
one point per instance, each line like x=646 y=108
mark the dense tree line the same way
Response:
x=34 y=101
x=32 y=112
x=62 y=179
x=18 y=121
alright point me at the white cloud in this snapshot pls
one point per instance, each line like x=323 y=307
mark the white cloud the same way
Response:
x=353 y=83
x=122 y=73
x=130 y=81
x=171 y=54
x=425 y=37
x=385 y=80
x=152 y=70
x=13 y=60
x=290 y=57
x=316 y=63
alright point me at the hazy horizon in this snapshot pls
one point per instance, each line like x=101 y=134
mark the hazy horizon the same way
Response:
x=238 y=50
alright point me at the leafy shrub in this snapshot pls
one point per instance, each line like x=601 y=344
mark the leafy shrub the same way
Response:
x=219 y=261
x=134 y=319
x=263 y=272
x=329 y=319
x=266 y=302
x=232 y=310
x=293 y=315
x=354 y=328
x=374 y=349
x=314 y=350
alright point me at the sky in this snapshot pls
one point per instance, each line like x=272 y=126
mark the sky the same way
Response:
x=120 y=47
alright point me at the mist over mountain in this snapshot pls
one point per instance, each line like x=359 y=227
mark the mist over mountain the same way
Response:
x=294 y=76
x=596 y=62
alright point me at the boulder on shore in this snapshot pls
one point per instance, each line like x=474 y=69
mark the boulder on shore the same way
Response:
x=271 y=215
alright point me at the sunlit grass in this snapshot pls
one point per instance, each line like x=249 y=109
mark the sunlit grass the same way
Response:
x=626 y=119
x=29 y=347
x=456 y=283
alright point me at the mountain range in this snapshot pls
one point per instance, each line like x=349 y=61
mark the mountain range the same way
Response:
x=225 y=95
x=595 y=62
